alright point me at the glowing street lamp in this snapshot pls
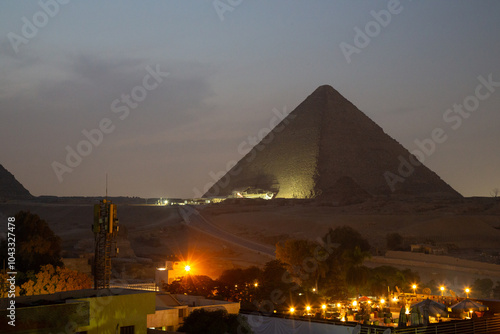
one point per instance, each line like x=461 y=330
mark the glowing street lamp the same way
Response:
x=187 y=268
x=382 y=301
x=292 y=309
x=442 y=290
x=338 y=305
x=256 y=284
x=414 y=287
x=354 y=303
x=467 y=290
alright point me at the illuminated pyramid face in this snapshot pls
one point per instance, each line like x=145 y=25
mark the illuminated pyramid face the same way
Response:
x=325 y=141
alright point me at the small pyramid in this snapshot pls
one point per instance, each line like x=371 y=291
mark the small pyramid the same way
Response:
x=325 y=139
x=10 y=188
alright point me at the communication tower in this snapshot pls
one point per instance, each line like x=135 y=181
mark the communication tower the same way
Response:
x=105 y=230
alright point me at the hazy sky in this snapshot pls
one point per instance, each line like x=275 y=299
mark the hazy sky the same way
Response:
x=76 y=66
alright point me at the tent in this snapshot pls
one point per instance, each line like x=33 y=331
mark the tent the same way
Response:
x=363 y=299
x=430 y=307
x=467 y=305
x=415 y=316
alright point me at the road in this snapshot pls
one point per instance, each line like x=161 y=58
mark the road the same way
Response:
x=195 y=220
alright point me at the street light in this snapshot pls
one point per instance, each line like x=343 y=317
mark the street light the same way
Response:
x=187 y=268
x=292 y=309
x=414 y=287
x=467 y=290
x=382 y=301
x=442 y=290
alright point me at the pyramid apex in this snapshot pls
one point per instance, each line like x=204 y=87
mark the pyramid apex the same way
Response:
x=326 y=92
x=325 y=89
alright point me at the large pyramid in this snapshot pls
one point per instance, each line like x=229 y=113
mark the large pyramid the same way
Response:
x=327 y=143
x=10 y=188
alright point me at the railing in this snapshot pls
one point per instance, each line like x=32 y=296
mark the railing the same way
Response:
x=135 y=286
x=487 y=325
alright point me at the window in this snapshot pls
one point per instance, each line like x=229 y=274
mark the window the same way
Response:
x=127 y=330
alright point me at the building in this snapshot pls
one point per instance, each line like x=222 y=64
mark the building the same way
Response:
x=172 y=309
x=173 y=269
x=82 y=311
x=428 y=249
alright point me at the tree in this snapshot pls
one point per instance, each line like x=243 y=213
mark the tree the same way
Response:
x=394 y=241
x=357 y=276
x=239 y=284
x=197 y=285
x=347 y=238
x=5 y=286
x=496 y=291
x=51 y=280
x=201 y=321
x=36 y=243
x=482 y=287
x=298 y=255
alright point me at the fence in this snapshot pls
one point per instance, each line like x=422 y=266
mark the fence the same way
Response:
x=487 y=325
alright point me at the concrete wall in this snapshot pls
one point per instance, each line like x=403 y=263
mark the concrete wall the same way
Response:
x=208 y=304
x=107 y=313
x=272 y=325
x=165 y=318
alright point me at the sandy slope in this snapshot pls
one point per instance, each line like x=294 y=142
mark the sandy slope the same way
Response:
x=268 y=223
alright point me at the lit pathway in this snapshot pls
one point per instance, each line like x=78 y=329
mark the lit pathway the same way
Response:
x=195 y=220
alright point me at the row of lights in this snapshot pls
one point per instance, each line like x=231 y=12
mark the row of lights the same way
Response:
x=382 y=301
x=323 y=306
x=442 y=288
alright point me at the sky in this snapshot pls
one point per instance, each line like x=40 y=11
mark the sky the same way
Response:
x=159 y=95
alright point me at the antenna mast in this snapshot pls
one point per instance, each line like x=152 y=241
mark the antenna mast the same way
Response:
x=105 y=230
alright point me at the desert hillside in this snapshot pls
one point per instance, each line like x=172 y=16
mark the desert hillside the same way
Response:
x=148 y=234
